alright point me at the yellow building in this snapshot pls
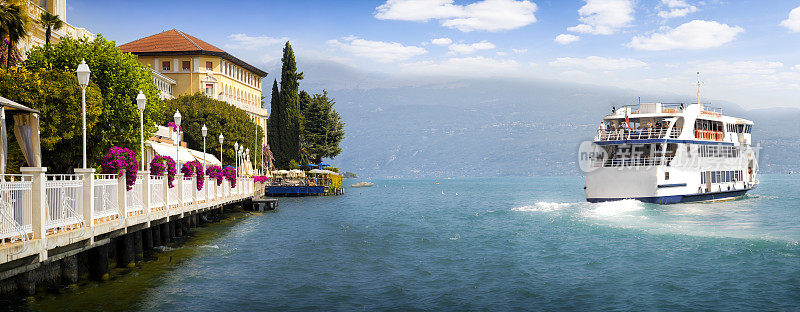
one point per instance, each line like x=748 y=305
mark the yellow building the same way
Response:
x=197 y=66
x=36 y=33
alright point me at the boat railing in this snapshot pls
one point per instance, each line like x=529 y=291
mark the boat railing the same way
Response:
x=639 y=134
x=632 y=162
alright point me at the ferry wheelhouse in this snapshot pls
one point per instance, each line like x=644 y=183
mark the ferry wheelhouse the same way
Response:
x=671 y=153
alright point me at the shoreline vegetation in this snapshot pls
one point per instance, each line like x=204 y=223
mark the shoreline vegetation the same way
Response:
x=126 y=287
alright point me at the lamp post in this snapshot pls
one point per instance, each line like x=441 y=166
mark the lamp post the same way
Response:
x=241 y=163
x=221 y=139
x=247 y=153
x=141 y=101
x=83 y=73
x=236 y=154
x=177 y=118
x=204 y=131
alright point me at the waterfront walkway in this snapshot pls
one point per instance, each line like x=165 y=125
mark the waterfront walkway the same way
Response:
x=45 y=217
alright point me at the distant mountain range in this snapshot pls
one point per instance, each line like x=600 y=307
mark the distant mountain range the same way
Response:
x=500 y=127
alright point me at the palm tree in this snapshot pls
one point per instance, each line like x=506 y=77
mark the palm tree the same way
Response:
x=49 y=22
x=13 y=25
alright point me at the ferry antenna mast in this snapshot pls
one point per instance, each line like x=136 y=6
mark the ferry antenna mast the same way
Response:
x=698 y=88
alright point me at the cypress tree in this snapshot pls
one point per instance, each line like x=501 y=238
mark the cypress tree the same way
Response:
x=290 y=104
x=273 y=124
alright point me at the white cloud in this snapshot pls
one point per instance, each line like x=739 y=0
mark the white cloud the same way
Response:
x=566 y=38
x=463 y=48
x=597 y=63
x=417 y=10
x=793 y=22
x=519 y=51
x=694 y=35
x=380 y=51
x=442 y=41
x=245 y=42
x=796 y=67
x=466 y=66
x=486 y=15
x=604 y=17
x=676 y=8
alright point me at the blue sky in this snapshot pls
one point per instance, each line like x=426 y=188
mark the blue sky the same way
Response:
x=745 y=50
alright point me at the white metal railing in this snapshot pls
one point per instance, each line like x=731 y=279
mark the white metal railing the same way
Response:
x=65 y=204
x=638 y=134
x=106 y=204
x=201 y=194
x=157 y=193
x=173 y=197
x=188 y=188
x=64 y=197
x=133 y=198
x=15 y=200
x=632 y=162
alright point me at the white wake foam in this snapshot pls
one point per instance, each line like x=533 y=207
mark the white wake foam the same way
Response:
x=542 y=207
x=626 y=207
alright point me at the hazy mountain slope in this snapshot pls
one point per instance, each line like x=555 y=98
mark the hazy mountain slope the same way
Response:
x=498 y=128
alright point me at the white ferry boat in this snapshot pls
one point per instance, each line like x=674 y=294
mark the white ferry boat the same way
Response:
x=670 y=153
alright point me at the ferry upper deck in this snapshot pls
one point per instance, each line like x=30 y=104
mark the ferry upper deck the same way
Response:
x=674 y=123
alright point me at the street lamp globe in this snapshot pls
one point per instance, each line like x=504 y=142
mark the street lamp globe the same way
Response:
x=177 y=118
x=83 y=74
x=141 y=101
x=221 y=139
x=204 y=130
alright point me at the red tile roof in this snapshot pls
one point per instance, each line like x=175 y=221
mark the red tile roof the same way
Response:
x=172 y=42
x=169 y=41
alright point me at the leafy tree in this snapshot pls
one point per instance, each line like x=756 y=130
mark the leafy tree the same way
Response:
x=274 y=122
x=13 y=26
x=50 y=22
x=305 y=101
x=220 y=117
x=289 y=143
x=324 y=129
x=119 y=77
x=57 y=96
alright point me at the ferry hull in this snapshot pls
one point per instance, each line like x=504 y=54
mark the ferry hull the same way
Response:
x=675 y=199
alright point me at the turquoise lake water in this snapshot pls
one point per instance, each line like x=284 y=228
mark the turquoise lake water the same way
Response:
x=498 y=244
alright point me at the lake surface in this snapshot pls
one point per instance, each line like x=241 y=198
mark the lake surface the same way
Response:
x=495 y=244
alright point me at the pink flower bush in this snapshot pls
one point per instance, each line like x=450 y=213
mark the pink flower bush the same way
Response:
x=260 y=179
x=159 y=164
x=174 y=127
x=230 y=175
x=215 y=172
x=197 y=168
x=118 y=159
